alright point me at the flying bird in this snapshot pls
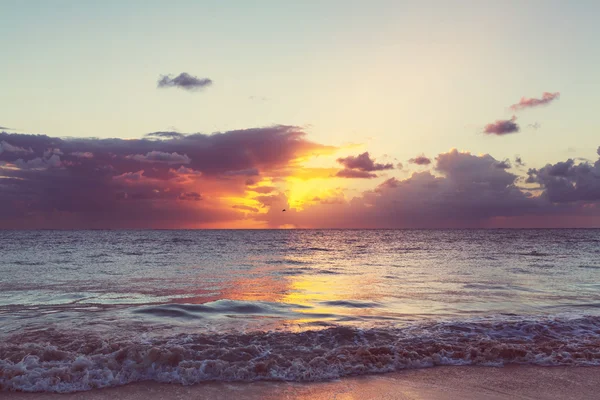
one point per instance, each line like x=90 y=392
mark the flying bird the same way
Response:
x=283 y=210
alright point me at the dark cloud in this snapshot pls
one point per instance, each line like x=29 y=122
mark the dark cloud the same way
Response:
x=138 y=183
x=80 y=154
x=526 y=102
x=502 y=127
x=519 y=161
x=9 y=148
x=165 y=135
x=505 y=164
x=184 y=81
x=420 y=160
x=363 y=162
x=469 y=191
x=567 y=182
x=361 y=166
x=355 y=173
x=6 y=128
x=244 y=172
x=190 y=196
x=160 y=157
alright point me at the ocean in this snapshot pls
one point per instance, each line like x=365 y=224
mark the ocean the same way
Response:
x=90 y=309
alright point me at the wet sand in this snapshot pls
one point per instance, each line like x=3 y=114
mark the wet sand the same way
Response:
x=441 y=383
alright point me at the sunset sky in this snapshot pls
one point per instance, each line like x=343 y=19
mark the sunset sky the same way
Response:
x=348 y=114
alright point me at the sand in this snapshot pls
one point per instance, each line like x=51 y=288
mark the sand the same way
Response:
x=441 y=383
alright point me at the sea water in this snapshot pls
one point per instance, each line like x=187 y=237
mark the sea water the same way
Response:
x=90 y=309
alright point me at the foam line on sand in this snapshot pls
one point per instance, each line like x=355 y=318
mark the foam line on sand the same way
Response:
x=440 y=383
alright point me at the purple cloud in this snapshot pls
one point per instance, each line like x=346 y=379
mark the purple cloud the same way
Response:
x=184 y=81
x=244 y=172
x=138 y=183
x=502 y=127
x=193 y=196
x=567 y=182
x=355 y=173
x=165 y=135
x=519 y=161
x=420 y=160
x=504 y=164
x=363 y=162
x=5 y=146
x=526 y=102
x=468 y=191
x=160 y=157
x=80 y=154
x=361 y=166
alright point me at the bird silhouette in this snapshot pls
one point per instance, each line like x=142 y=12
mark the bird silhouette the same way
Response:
x=283 y=210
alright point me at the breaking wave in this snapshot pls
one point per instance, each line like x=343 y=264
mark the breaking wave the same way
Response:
x=47 y=360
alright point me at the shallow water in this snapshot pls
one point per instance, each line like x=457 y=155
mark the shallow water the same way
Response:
x=84 y=309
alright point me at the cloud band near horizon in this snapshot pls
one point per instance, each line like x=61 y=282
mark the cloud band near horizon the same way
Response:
x=240 y=179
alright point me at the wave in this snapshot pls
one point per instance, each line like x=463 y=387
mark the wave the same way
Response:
x=535 y=253
x=317 y=249
x=48 y=360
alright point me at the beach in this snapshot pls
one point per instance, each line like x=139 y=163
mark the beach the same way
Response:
x=441 y=383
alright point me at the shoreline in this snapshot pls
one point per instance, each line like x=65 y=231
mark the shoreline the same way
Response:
x=437 y=383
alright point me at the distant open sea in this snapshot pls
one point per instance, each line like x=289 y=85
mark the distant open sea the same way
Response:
x=89 y=309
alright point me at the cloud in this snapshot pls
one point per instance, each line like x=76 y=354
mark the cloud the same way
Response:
x=263 y=189
x=420 y=160
x=141 y=183
x=51 y=185
x=5 y=146
x=505 y=164
x=161 y=157
x=244 y=172
x=567 y=182
x=277 y=200
x=165 y=135
x=363 y=162
x=355 y=173
x=190 y=196
x=360 y=166
x=245 y=208
x=6 y=128
x=519 y=161
x=80 y=154
x=184 y=81
x=526 y=102
x=467 y=191
x=502 y=127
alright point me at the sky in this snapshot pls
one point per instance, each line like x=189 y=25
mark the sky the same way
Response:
x=347 y=114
